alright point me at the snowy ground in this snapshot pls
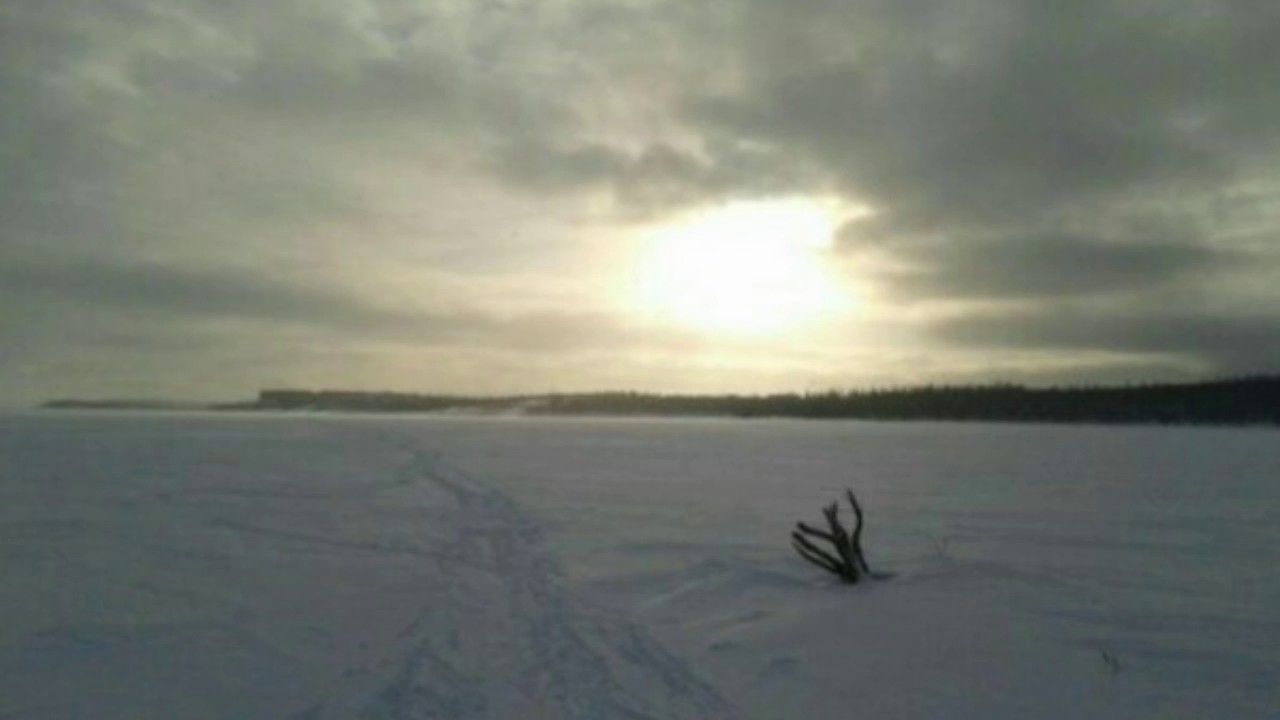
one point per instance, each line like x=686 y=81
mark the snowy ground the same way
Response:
x=185 y=566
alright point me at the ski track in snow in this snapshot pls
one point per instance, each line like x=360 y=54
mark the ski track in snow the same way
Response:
x=544 y=653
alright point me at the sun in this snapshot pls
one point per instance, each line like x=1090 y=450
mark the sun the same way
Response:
x=741 y=269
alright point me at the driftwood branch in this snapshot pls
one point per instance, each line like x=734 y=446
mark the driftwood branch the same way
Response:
x=845 y=558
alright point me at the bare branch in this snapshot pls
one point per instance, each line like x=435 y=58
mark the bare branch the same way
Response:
x=807 y=545
x=855 y=541
x=815 y=555
x=815 y=532
x=845 y=558
x=840 y=538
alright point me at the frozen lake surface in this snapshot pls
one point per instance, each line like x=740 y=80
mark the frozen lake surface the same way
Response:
x=311 y=567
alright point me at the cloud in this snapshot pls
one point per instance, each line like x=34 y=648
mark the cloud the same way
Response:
x=1054 y=266
x=1213 y=340
x=1023 y=160
x=416 y=173
x=180 y=295
x=110 y=328
x=1011 y=111
x=653 y=179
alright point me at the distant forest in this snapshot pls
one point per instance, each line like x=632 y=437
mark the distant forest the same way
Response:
x=1239 y=401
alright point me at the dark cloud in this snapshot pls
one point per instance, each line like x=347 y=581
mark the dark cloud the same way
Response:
x=185 y=291
x=655 y=178
x=1053 y=266
x=1014 y=110
x=1241 y=342
x=538 y=165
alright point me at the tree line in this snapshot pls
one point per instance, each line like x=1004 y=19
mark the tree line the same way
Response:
x=1246 y=400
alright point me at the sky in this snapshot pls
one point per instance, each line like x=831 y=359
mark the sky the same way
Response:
x=203 y=198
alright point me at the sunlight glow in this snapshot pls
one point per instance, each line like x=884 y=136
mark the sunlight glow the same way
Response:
x=745 y=269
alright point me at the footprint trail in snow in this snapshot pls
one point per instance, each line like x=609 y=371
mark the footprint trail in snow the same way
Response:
x=500 y=636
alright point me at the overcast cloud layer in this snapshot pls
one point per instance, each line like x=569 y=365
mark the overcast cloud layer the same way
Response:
x=202 y=198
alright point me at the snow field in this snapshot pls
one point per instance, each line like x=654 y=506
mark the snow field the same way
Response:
x=341 y=567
